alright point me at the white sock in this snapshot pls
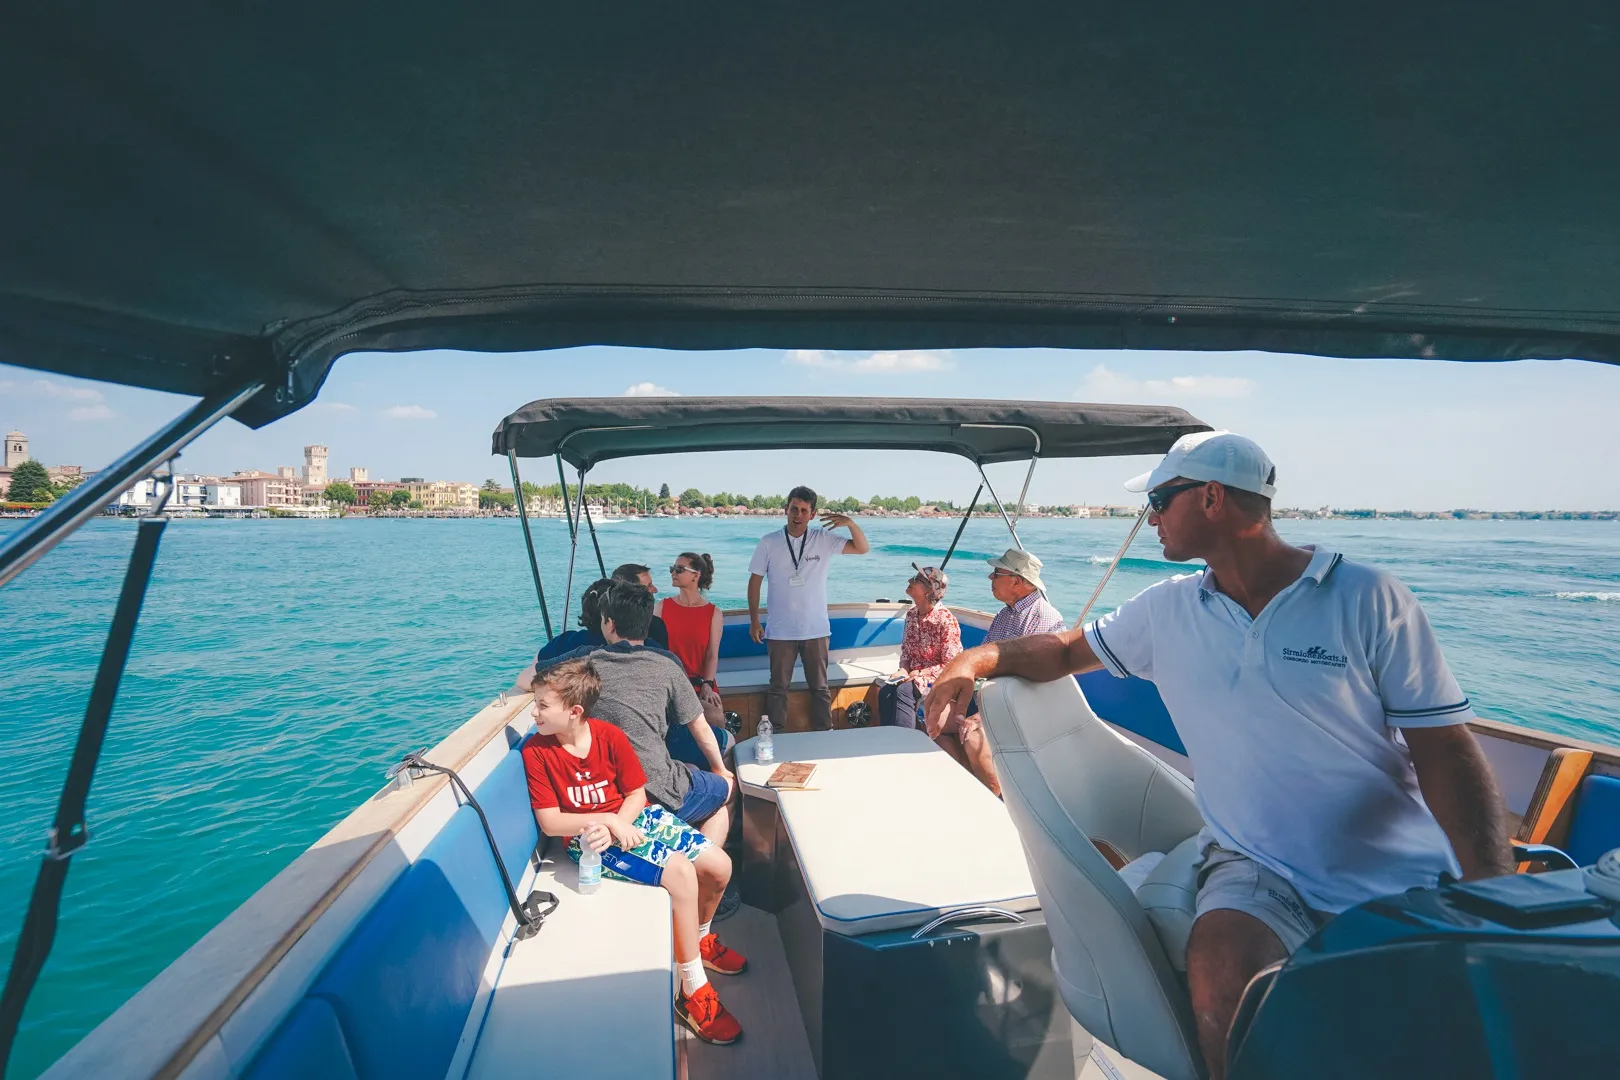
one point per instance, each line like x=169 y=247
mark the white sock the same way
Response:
x=692 y=976
x=703 y=931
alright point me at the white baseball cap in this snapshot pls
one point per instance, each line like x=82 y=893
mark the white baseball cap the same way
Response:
x=1221 y=456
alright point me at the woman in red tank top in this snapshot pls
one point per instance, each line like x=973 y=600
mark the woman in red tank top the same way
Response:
x=694 y=629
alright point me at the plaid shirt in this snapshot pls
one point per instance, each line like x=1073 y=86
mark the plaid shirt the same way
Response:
x=1031 y=615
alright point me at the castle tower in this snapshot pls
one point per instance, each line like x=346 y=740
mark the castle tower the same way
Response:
x=359 y=474
x=16 y=449
x=315 y=466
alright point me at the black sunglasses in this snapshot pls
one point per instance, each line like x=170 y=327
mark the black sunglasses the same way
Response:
x=679 y=569
x=1159 y=499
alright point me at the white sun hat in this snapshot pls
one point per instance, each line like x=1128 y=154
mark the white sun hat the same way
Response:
x=1221 y=456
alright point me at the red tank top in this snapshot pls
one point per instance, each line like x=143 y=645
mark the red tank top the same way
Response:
x=688 y=634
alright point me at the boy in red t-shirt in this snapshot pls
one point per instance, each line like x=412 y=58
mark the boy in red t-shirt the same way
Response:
x=586 y=782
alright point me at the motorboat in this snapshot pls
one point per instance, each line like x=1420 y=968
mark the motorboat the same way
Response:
x=224 y=205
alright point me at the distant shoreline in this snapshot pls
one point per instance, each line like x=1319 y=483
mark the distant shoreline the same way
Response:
x=1281 y=514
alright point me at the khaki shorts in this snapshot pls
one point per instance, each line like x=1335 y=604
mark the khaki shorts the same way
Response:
x=1229 y=880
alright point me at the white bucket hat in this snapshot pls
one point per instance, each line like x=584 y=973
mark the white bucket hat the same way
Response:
x=1220 y=456
x=1021 y=563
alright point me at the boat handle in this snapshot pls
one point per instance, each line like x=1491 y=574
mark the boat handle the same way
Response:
x=963 y=914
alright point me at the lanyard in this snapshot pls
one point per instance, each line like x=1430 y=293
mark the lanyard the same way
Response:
x=788 y=540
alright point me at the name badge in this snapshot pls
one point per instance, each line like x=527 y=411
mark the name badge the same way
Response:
x=797 y=580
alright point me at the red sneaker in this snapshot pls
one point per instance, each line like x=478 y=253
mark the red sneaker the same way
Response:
x=708 y=1019
x=719 y=959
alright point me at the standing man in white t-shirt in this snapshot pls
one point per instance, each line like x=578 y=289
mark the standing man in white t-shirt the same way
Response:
x=795 y=561
x=1329 y=739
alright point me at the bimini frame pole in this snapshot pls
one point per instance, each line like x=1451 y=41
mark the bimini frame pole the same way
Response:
x=591 y=525
x=573 y=536
x=1123 y=548
x=85 y=501
x=1034 y=458
x=528 y=539
x=1012 y=526
x=965 y=517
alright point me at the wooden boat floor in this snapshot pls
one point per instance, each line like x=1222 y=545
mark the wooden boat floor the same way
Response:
x=763 y=1000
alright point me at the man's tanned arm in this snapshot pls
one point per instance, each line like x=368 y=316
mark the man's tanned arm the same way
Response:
x=1461 y=791
x=1039 y=658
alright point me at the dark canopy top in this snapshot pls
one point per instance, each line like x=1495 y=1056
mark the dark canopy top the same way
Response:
x=192 y=190
x=589 y=430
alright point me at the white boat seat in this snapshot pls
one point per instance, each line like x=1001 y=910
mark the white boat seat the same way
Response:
x=1070 y=779
x=894 y=833
x=752 y=674
x=598 y=973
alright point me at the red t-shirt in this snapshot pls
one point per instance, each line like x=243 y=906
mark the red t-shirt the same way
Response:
x=595 y=784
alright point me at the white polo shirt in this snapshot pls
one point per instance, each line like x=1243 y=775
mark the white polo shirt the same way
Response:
x=796 y=582
x=1291 y=720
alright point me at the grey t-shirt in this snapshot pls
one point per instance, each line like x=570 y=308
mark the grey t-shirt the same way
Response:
x=645 y=691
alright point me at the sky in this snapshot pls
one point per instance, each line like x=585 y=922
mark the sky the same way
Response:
x=1388 y=434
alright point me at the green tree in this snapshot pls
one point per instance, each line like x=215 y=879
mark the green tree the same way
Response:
x=30 y=483
x=414 y=504
x=399 y=499
x=693 y=497
x=496 y=500
x=913 y=503
x=341 y=491
x=663 y=491
x=490 y=485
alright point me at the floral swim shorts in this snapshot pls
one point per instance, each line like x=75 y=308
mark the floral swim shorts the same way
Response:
x=665 y=835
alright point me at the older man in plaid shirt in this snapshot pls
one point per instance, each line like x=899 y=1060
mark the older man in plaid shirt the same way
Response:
x=1015 y=579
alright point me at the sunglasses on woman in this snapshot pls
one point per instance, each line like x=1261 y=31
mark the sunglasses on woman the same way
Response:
x=679 y=569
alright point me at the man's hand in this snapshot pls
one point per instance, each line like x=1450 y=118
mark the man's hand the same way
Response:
x=951 y=693
x=730 y=779
x=625 y=835
x=756 y=631
x=831 y=520
x=709 y=696
x=596 y=836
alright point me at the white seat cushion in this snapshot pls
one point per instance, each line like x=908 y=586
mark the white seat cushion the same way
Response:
x=1168 y=895
x=893 y=833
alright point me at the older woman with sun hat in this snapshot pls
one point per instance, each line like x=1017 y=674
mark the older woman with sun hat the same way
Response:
x=932 y=638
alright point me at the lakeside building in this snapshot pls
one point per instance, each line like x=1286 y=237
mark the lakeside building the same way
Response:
x=441 y=494
x=195 y=492
x=262 y=489
x=16 y=452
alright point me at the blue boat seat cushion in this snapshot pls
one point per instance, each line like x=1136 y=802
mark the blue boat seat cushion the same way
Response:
x=1597 y=820
x=309 y=1044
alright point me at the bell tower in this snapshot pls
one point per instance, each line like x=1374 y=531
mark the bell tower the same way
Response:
x=16 y=449
x=315 y=466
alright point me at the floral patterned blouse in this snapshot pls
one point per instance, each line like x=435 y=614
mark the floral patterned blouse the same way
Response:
x=930 y=642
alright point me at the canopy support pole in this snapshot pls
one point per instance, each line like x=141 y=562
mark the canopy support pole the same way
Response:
x=1012 y=526
x=1018 y=511
x=573 y=537
x=528 y=539
x=85 y=501
x=69 y=832
x=591 y=525
x=955 y=539
x=1123 y=548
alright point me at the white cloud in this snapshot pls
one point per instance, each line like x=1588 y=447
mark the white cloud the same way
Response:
x=91 y=412
x=878 y=363
x=410 y=412
x=334 y=406
x=1103 y=384
x=649 y=389
x=65 y=393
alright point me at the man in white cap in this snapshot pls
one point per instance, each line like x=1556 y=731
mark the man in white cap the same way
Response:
x=1327 y=734
x=1015 y=580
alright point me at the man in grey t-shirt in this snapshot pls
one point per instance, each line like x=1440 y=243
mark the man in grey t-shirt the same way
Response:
x=645 y=692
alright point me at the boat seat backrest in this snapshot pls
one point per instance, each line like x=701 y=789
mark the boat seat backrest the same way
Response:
x=392 y=1002
x=1067 y=778
x=1597 y=820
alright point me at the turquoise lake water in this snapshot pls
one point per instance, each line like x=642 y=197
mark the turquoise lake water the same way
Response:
x=280 y=666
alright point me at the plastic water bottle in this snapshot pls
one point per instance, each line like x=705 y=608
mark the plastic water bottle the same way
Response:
x=590 y=867
x=764 y=745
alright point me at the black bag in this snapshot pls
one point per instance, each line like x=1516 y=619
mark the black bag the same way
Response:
x=888 y=697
